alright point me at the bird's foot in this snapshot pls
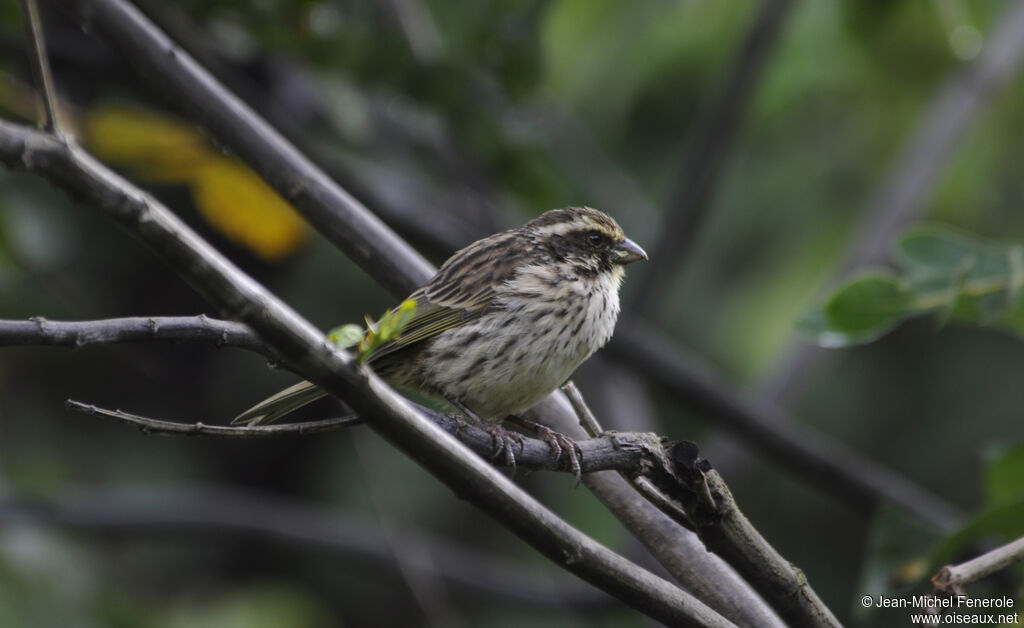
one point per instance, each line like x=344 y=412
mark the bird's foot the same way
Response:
x=558 y=443
x=502 y=438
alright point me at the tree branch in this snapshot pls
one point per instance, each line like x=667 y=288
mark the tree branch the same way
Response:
x=951 y=579
x=688 y=491
x=41 y=66
x=147 y=425
x=315 y=359
x=617 y=451
x=727 y=532
x=78 y=334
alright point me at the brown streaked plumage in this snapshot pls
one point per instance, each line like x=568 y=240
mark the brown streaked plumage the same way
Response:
x=505 y=320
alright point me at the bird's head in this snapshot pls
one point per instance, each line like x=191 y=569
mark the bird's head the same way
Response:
x=588 y=240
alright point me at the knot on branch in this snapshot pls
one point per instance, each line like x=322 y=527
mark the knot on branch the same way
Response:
x=691 y=471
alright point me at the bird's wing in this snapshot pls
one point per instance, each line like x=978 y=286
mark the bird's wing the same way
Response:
x=460 y=292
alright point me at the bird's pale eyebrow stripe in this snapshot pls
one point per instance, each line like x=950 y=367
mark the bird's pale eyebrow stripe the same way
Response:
x=579 y=223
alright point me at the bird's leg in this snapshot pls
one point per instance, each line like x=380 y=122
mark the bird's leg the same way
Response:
x=503 y=439
x=556 y=440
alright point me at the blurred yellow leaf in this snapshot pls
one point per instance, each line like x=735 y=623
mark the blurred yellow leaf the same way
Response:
x=245 y=209
x=230 y=196
x=153 y=145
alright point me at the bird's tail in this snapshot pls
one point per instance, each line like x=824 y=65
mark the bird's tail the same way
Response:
x=285 y=402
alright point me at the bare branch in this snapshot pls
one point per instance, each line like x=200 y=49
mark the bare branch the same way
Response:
x=77 y=334
x=158 y=426
x=723 y=528
x=951 y=579
x=41 y=66
x=620 y=451
x=685 y=487
x=310 y=355
x=675 y=547
x=202 y=511
x=587 y=419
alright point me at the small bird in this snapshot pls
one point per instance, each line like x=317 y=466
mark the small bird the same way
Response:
x=503 y=323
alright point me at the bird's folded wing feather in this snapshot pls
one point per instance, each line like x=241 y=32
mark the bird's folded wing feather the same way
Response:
x=461 y=291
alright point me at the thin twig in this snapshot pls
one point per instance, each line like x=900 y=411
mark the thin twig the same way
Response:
x=41 y=67
x=951 y=579
x=643 y=484
x=587 y=419
x=623 y=451
x=159 y=426
x=652 y=494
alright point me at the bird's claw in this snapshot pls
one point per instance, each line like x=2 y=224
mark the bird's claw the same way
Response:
x=503 y=440
x=560 y=442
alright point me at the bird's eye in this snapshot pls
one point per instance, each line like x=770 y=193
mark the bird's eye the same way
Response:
x=596 y=238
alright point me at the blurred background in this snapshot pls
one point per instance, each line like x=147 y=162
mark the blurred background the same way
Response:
x=759 y=151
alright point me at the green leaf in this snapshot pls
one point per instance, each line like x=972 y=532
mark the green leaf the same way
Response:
x=387 y=329
x=813 y=323
x=392 y=323
x=935 y=250
x=346 y=336
x=867 y=306
x=947 y=274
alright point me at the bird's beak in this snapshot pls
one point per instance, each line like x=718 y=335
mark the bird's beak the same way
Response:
x=627 y=251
